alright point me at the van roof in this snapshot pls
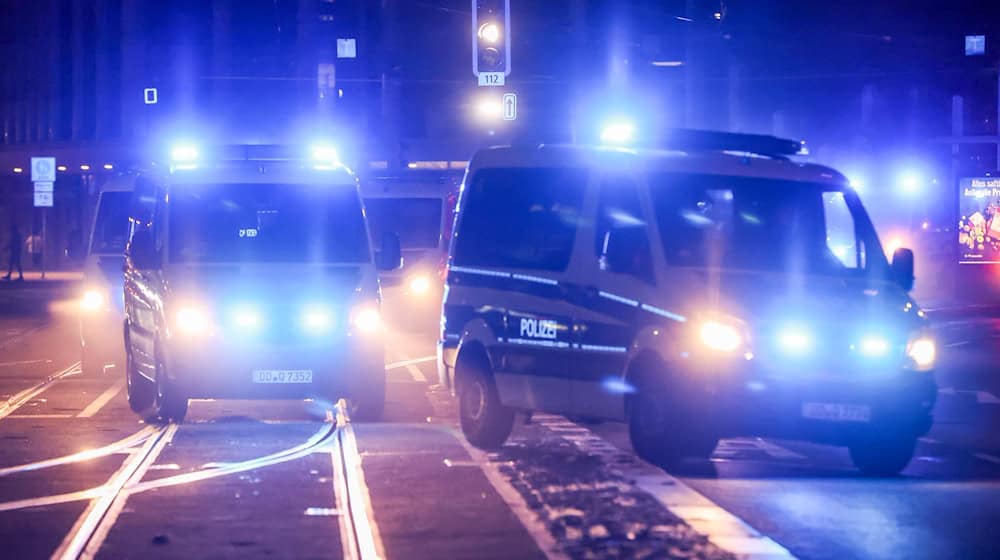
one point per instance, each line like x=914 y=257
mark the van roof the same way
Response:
x=743 y=164
x=262 y=173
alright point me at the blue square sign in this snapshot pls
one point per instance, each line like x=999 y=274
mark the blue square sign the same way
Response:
x=975 y=45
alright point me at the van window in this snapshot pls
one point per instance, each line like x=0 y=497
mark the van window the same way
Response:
x=521 y=218
x=417 y=221
x=622 y=244
x=762 y=224
x=267 y=223
x=841 y=238
x=111 y=224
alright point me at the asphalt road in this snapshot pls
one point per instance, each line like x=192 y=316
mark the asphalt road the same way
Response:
x=81 y=476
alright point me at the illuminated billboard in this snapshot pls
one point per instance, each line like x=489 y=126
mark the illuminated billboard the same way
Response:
x=979 y=223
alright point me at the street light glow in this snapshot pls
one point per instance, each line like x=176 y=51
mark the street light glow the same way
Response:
x=489 y=109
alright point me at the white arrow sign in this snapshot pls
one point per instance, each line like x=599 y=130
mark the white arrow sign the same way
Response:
x=509 y=106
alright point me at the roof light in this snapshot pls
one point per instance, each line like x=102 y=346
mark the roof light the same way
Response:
x=61 y=167
x=325 y=153
x=184 y=153
x=85 y=167
x=108 y=166
x=18 y=170
x=618 y=132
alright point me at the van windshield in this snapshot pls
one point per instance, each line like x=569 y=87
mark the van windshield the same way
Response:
x=417 y=221
x=111 y=225
x=267 y=223
x=763 y=224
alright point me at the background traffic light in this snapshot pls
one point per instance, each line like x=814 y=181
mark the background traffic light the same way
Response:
x=491 y=36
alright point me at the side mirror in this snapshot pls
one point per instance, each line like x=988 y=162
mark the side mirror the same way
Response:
x=390 y=256
x=141 y=250
x=902 y=268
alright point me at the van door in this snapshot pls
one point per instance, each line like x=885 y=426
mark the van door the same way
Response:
x=513 y=250
x=619 y=276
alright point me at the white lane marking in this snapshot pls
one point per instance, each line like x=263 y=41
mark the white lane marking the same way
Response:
x=214 y=470
x=56 y=499
x=93 y=525
x=721 y=527
x=359 y=533
x=946 y=391
x=404 y=363
x=411 y=367
x=987 y=457
x=23 y=363
x=25 y=396
x=733 y=448
x=39 y=416
x=102 y=399
x=515 y=502
x=109 y=449
x=982 y=397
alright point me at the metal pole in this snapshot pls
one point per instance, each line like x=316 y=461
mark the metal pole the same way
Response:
x=45 y=239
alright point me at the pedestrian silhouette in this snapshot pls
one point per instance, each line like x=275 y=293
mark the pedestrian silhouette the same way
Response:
x=14 y=244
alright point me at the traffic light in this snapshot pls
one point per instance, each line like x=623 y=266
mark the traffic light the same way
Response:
x=491 y=36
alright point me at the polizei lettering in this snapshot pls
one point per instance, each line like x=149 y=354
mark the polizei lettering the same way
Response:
x=535 y=328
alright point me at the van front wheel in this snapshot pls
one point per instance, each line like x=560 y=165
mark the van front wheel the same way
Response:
x=664 y=431
x=485 y=421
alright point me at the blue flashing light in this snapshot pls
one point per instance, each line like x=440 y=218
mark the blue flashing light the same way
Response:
x=795 y=340
x=325 y=156
x=874 y=346
x=184 y=156
x=317 y=319
x=618 y=132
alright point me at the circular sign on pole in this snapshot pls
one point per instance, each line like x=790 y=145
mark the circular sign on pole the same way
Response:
x=43 y=169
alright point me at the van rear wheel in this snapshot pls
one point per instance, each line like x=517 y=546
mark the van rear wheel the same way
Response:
x=141 y=391
x=486 y=422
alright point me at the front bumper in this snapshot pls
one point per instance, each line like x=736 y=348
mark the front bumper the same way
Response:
x=340 y=368
x=759 y=403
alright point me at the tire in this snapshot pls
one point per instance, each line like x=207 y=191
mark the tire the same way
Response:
x=368 y=404
x=883 y=455
x=141 y=391
x=168 y=404
x=665 y=428
x=486 y=422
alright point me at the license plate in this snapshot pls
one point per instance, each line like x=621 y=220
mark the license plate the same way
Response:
x=835 y=412
x=282 y=376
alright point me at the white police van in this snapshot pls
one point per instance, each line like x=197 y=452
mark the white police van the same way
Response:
x=101 y=303
x=715 y=291
x=250 y=274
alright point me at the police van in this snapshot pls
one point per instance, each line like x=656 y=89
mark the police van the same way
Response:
x=101 y=303
x=417 y=205
x=251 y=274
x=716 y=289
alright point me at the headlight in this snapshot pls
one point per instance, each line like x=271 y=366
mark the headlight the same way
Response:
x=93 y=300
x=921 y=352
x=317 y=319
x=419 y=284
x=191 y=320
x=720 y=336
x=366 y=319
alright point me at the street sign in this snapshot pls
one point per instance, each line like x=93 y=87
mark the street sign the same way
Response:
x=43 y=199
x=509 y=106
x=975 y=45
x=150 y=96
x=492 y=79
x=43 y=169
x=347 y=48
x=44 y=186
